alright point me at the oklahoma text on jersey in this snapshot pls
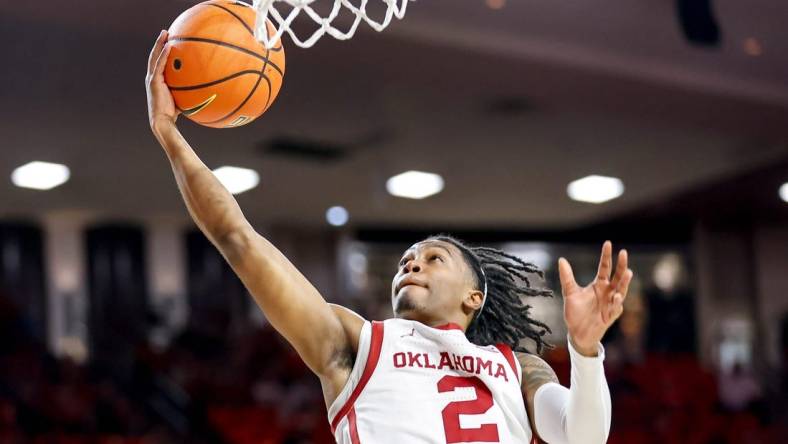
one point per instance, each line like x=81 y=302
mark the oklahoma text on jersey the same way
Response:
x=468 y=364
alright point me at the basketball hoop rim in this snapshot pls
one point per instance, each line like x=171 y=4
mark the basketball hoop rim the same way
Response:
x=267 y=12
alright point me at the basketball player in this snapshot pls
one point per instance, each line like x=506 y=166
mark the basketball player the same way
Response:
x=449 y=367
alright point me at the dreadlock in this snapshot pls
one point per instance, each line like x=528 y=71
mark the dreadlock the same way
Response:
x=504 y=319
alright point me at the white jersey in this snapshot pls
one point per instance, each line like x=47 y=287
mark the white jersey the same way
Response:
x=414 y=384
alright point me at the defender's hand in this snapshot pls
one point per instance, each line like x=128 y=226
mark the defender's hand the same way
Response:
x=589 y=311
x=161 y=106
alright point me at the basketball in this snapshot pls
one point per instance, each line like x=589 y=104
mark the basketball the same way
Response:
x=219 y=75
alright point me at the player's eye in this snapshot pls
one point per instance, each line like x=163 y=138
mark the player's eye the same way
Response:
x=435 y=256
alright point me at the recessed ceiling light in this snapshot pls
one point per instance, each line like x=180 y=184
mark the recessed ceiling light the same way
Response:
x=784 y=192
x=595 y=189
x=753 y=47
x=40 y=175
x=496 y=4
x=236 y=179
x=414 y=184
x=337 y=216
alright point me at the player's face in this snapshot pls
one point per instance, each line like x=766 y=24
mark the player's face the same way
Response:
x=431 y=281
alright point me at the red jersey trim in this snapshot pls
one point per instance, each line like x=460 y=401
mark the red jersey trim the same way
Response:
x=449 y=326
x=375 y=344
x=351 y=417
x=509 y=355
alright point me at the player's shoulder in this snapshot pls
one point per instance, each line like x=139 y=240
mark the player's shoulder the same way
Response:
x=526 y=358
x=536 y=371
x=353 y=323
x=530 y=361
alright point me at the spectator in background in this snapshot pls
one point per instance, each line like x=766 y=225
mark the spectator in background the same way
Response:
x=673 y=305
x=9 y=431
x=738 y=388
x=782 y=398
x=627 y=344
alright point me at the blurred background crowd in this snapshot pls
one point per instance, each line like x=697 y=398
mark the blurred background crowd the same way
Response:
x=216 y=372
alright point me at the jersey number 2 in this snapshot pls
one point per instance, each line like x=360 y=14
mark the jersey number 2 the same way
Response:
x=452 y=412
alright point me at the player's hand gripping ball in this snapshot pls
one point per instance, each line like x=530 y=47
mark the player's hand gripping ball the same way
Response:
x=219 y=74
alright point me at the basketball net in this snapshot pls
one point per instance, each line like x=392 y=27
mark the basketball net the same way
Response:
x=267 y=10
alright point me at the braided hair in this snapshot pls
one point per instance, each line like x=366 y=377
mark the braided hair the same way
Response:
x=504 y=319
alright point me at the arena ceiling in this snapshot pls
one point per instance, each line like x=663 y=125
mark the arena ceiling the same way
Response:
x=509 y=105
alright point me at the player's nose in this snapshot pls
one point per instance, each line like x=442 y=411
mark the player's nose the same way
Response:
x=411 y=266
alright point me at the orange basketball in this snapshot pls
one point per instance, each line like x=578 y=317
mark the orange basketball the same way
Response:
x=218 y=73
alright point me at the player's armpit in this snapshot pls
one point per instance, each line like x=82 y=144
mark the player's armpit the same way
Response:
x=352 y=323
x=536 y=372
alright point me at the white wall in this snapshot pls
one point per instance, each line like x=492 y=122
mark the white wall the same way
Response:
x=165 y=262
x=742 y=289
x=65 y=265
x=771 y=279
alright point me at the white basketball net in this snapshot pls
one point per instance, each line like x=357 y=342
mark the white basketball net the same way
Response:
x=266 y=9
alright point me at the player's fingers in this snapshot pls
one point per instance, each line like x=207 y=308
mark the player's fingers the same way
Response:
x=607 y=313
x=623 y=285
x=156 y=51
x=605 y=261
x=162 y=62
x=566 y=277
x=621 y=267
x=616 y=308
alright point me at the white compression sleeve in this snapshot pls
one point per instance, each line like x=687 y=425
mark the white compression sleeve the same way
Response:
x=580 y=414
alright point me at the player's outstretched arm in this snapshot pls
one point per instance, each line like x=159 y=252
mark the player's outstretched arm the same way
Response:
x=290 y=302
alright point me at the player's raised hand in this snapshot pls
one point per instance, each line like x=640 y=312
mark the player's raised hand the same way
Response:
x=161 y=105
x=589 y=311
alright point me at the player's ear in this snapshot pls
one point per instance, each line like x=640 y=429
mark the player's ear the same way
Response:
x=473 y=300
